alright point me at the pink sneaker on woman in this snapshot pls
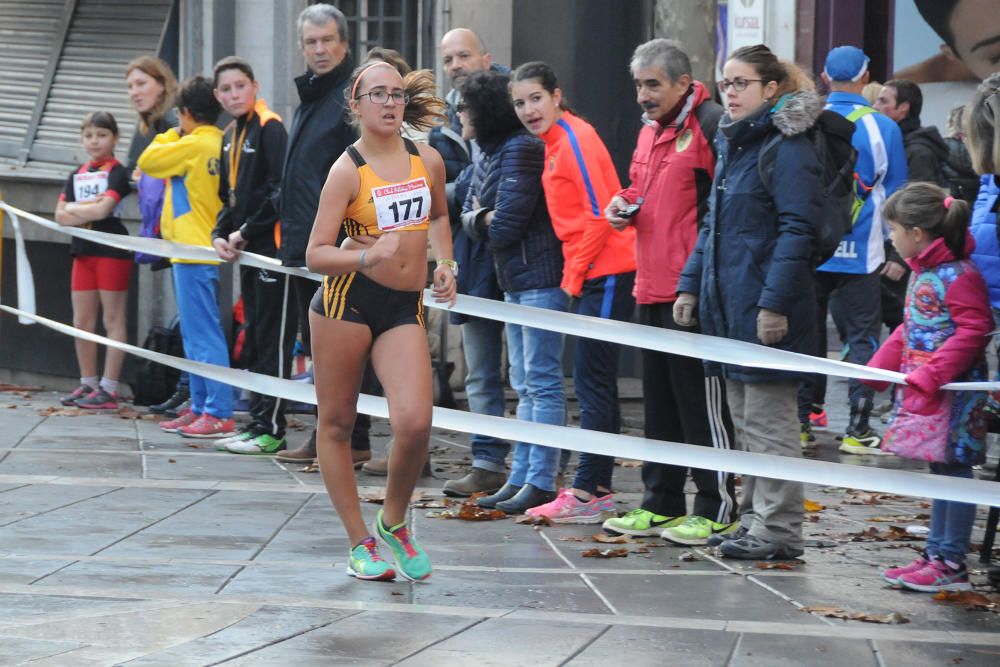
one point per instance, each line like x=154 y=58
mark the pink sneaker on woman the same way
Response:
x=938 y=575
x=567 y=508
x=892 y=575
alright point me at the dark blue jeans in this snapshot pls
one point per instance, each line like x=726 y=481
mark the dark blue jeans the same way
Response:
x=951 y=522
x=595 y=373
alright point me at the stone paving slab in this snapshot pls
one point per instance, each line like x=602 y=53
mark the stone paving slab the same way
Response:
x=657 y=646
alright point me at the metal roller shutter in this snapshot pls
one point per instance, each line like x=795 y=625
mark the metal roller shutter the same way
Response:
x=103 y=37
x=27 y=32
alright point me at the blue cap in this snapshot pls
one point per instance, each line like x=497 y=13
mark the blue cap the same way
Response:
x=846 y=63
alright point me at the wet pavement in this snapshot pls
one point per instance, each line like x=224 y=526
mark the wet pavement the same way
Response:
x=123 y=545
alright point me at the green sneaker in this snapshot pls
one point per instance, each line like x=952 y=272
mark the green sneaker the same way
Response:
x=262 y=443
x=244 y=434
x=365 y=563
x=867 y=443
x=807 y=437
x=695 y=530
x=640 y=523
x=411 y=559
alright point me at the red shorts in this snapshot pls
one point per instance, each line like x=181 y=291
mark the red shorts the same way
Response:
x=100 y=273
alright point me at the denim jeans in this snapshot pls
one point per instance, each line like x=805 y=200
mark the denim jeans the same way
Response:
x=536 y=375
x=482 y=341
x=951 y=522
x=195 y=287
x=595 y=373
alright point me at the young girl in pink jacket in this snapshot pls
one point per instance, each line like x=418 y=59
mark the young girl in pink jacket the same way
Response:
x=943 y=338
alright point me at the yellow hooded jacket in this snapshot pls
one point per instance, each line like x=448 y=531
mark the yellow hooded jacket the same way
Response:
x=190 y=165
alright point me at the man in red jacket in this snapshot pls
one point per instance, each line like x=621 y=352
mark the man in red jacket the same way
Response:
x=671 y=175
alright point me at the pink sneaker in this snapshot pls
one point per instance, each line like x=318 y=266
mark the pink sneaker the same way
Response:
x=938 y=575
x=207 y=426
x=183 y=419
x=567 y=508
x=892 y=575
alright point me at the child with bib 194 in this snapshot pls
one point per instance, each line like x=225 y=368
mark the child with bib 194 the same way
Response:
x=943 y=338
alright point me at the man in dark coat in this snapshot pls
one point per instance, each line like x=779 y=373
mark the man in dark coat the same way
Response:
x=319 y=134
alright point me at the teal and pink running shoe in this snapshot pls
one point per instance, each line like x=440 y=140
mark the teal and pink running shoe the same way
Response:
x=411 y=560
x=366 y=563
x=938 y=575
x=567 y=508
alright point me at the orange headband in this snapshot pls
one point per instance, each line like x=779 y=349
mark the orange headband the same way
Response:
x=377 y=63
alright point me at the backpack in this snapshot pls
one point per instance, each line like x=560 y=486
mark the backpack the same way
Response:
x=155 y=383
x=842 y=200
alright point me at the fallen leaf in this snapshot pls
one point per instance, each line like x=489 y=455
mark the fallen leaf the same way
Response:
x=469 y=511
x=813 y=506
x=641 y=550
x=199 y=445
x=171 y=460
x=814 y=518
x=628 y=463
x=312 y=467
x=397 y=592
x=533 y=520
x=126 y=412
x=971 y=600
x=688 y=557
x=571 y=538
x=604 y=538
x=54 y=411
x=892 y=618
x=9 y=406
x=779 y=564
x=604 y=553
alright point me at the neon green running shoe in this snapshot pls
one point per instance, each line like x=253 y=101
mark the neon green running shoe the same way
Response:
x=640 y=523
x=695 y=530
x=411 y=559
x=365 y=563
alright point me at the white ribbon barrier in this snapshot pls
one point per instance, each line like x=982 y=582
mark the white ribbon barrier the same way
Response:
x=699 y=346
x=594 y=442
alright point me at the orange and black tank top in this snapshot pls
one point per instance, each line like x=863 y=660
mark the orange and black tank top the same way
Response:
x=382 y=206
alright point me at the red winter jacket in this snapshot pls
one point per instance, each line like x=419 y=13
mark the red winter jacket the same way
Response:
x=671 y=171
x=579 y=181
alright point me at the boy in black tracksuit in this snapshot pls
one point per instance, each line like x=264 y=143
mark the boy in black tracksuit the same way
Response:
x=253 y=150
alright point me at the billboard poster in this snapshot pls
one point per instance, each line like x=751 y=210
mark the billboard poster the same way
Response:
x=948 y=47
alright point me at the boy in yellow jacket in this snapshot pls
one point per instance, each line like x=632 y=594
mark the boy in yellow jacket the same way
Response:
x=189 y=161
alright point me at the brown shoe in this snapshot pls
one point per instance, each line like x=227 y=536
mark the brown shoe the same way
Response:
x=360 y=457
x=476 y=481
x=378 y=466
x=304 y=454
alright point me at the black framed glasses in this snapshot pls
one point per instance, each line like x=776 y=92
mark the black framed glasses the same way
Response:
x=382 y=96
x=739 y=84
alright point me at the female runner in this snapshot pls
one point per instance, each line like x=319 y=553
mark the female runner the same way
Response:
x=388 y=194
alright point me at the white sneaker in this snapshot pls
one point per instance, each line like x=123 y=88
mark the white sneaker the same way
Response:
x=222 y=443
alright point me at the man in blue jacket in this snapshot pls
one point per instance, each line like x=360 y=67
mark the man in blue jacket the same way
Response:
x=849 y=283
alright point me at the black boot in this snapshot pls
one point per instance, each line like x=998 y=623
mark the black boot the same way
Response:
x=529 y=496
x=182 y=394
x=506 y=492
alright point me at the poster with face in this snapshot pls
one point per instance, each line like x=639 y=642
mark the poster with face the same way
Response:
x=947 y=47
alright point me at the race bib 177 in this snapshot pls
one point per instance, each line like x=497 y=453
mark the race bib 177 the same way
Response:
x=401 y=204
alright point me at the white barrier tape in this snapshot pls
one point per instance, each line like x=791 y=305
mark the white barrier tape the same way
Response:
x=594 y=442
x=22 y=268
x=699 y=346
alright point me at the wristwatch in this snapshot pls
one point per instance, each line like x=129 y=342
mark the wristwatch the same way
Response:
x=451 y=264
